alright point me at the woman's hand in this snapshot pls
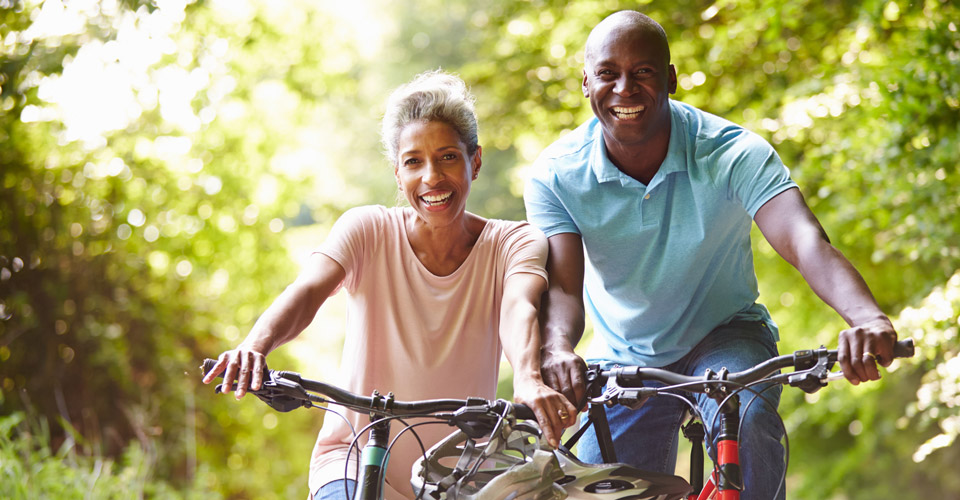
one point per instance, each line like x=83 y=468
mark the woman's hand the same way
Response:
x=554 y=412
x=243 y=365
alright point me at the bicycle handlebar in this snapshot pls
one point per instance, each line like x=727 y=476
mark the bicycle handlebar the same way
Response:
x=285 y=391
x=805 y=362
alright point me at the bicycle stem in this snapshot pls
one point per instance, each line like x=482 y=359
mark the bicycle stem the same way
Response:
x=373 y=460
x=730 y=480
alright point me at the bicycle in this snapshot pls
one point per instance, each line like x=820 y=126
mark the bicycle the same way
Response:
x=624 y=386
x=496 y=452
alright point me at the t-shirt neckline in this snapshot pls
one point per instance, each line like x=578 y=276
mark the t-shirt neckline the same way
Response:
x=408 y=247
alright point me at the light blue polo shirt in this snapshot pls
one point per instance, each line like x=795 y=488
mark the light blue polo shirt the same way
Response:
x=668 y=262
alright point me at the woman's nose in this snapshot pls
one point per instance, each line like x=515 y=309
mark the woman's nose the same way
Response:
x=432 y=173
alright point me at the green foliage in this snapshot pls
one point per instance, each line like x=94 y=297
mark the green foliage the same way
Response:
x=29 y=469
x=898 y=435
x=131 y=253
x=141 y=209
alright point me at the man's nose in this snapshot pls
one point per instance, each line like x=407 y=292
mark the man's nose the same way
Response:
x=625 y=86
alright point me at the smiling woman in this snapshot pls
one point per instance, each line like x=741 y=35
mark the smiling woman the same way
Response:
x=434 y=172
x=430 y=286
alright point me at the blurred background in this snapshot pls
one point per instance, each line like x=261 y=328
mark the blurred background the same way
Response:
x=165 y=165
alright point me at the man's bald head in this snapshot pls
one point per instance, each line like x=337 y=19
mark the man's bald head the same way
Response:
x=622 y=22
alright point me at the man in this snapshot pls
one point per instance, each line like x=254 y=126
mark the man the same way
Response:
x=647 y=208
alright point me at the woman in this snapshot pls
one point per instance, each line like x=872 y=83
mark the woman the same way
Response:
x=434 y=290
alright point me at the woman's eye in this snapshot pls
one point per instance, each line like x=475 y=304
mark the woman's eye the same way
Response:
x=411 y=161
x=449 y=156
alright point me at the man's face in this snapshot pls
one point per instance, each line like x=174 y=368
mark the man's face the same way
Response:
x=628 y=81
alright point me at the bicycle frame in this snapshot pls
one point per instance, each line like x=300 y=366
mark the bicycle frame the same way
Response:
x=725 y=481
x=812 y=372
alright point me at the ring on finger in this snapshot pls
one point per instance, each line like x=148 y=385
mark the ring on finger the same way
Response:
x=868 y=355
x=563 y=413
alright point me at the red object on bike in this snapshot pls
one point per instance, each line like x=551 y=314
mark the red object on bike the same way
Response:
x=708 y=489
x=728 y=453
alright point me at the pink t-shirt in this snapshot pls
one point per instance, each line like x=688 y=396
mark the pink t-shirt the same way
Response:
x=416 y=334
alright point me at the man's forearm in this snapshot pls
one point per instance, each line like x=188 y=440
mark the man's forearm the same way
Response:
x=562 y=317
x=834 y=279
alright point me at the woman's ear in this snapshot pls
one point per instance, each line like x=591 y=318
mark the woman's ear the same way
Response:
x=477 y=162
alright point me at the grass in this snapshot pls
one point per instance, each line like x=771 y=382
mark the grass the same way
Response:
x=30 y=469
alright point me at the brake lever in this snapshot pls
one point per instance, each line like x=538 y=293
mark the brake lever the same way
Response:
x=475 y=421
x=837 y=375
x=278 y=393
x=631 y=397
x=816 y=377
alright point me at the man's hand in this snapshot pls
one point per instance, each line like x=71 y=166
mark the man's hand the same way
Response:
x=563 y=370
x=863 y=346
x=554 y=413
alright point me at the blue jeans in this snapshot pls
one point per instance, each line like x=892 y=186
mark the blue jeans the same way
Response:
x=648 y=437
x=334 y=490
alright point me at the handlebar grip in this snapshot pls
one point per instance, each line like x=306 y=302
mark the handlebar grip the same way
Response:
x=207 y=366
x=904 y=348
x=523 y=411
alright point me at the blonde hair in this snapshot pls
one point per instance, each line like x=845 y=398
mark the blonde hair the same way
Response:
x=431 y=96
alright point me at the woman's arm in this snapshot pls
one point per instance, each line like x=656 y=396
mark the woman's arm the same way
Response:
x=286 y=317
x=794 y=232
x=520 y=336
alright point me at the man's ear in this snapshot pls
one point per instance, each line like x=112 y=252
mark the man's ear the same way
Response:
x=672 y=80
x=586 y=90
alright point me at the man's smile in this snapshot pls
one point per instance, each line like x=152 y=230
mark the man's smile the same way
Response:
x=627 y=113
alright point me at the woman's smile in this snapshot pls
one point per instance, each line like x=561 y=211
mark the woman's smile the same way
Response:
x=437 y=200
x=434 y=171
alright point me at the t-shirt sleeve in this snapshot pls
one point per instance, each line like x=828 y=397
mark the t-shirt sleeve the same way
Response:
x=544 y=208
x=758 y=174
x=349 y=241
x=524 y=251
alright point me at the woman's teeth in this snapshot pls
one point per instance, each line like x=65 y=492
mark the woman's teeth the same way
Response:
x=436 y=199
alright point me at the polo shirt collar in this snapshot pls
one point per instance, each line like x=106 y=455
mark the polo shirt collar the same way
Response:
x=675 y=161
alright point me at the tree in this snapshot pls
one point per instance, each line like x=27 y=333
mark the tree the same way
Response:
x=152 y=153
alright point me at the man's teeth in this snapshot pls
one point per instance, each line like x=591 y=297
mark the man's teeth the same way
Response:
x=436 y=199
x=622 y=112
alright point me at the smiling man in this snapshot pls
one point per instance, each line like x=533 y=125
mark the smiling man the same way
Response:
x=648 y=208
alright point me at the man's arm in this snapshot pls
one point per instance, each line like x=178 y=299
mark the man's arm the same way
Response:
x=796 y=234
x=562 y=317
x=519 y=332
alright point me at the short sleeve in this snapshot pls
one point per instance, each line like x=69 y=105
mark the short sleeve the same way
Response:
x=544 y=208
x=350 y=239
x=758 y=174
x=525 y=251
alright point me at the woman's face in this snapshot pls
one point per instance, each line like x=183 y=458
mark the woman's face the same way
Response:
x=434 y=171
